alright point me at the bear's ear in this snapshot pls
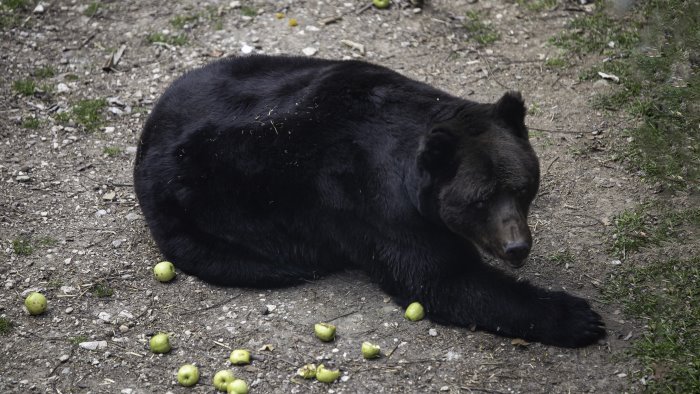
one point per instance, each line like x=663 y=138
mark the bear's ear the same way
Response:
x=437 y=148
x=511 y=109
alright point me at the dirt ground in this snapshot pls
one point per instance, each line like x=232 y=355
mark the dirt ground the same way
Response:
x=73 y=201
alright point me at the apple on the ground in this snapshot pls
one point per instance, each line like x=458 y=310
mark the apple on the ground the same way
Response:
x=188 y=375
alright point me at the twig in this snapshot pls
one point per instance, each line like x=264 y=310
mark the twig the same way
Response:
x=481 y=389
x=85 y=42
x=388 y=355
x=343 y=315
x=211 y=306
x=554 y=131
x=550 y=165
x=223 y=345
x=363 y=8
x=491 y=72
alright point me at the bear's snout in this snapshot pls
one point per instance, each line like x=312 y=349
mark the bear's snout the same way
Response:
x=516 y=252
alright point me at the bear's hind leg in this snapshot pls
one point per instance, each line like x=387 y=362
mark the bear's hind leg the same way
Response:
x=228 y=264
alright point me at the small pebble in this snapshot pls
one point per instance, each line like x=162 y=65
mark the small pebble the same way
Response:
x=309 y=51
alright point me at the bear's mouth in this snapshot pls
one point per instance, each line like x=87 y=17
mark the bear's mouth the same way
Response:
x=516 y=263
x=515 y=258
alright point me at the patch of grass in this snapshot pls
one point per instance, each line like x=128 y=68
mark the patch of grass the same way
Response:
x=15 y=4
x=479 y=31
x=25 y=87
x=11 y=13
x=44 y=72
x=78 y=339
x=87 y=113
x=92 y=9
x=534 y=109
x=25 y=245
x=5 y=326
x=31 y=123
x=54 y=284
x=598 y=33
x=22 y=246
x=538 y=5
x=655 y=55
x=102 y=290
x=248 y=11
x=46 y=242
x=556 y=62
x=112 y=151
x=177 y=39
x=562 y=257
x=650 y=224
x=179 y=21
x=665 y=295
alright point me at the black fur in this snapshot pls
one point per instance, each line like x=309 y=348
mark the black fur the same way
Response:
x=264 y=171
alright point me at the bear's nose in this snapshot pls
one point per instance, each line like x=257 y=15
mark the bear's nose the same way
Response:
x=517 y=250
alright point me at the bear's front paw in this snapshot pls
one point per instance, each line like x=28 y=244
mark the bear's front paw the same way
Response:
x=571 y=322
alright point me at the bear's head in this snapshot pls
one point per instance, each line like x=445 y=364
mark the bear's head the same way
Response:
x=479 y=174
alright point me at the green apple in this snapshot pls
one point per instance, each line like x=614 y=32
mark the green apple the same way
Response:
x=326 y=375
x=308 y=371
x=324 y=331
x=160 y=343
x=164 y=271
x=222 y=379
x=369 y=350
x=238 y=386
x=240 y=357
x=381 y=3
x=188 y=375
x=35 y=303
x=415 y=312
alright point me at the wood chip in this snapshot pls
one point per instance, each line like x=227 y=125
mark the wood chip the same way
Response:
x=354 y=45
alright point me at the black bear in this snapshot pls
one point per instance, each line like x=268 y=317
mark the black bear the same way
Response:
x=265 y=171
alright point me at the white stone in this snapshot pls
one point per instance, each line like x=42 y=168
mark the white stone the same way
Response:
x=93 y=345
x=309 y=51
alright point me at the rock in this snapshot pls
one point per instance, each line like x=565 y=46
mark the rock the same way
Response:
x=62 y=88
x=123 y=328
x=93 y=345
x=64 y=358
x=104 y=316
x=69 y=310
x=22 y=178
x=432 y=332
x=247 y=49
x=100 y=213
x=109 y=196
x=117 y=242
x=126 y=314
x=309 y=51
x=39 y=9
x=131 y=216
x=109 y=129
